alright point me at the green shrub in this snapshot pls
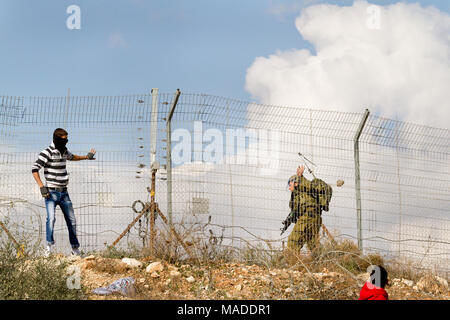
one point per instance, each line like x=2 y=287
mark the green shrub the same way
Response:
x=33 y=278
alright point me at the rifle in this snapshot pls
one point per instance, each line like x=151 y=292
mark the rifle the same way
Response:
x=291 y=218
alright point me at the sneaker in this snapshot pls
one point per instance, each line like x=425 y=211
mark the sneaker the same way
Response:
x=76 y=252
x=48 y=251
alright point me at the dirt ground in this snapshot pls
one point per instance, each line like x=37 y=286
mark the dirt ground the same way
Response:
x=239 y=281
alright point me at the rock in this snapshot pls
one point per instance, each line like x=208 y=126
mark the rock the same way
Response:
x=73 y=258
x=132 y=262
x=442 y=281
x=175 y=274
x=142 y=280
x=319 y=275
x=288 y=290
x=120 y=267
x=154 y=266
x=265 y=279
x=154 y=274
x=88 y=258
x=334 y=274
x=90 y=264
x=273 y=273
x=416 y=288
x=432 y=284
x=409 y=283
x=238 y=287
x=106 y=265
x=172 y=268
x=190 y=279
x=303 y=286
x=168 y=281
x=244 y=270
x=146 y=286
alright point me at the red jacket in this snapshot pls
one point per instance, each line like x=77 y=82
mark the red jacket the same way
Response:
x=375 y=293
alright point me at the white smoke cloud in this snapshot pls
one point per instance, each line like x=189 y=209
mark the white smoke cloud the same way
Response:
x=394 y=60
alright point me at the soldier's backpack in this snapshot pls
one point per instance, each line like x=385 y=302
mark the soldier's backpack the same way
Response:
x=323 y=193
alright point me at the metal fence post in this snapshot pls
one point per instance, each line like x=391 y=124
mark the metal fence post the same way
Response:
x=154 y=125
x=169 y=154
x=358 y=178
x=153 y=164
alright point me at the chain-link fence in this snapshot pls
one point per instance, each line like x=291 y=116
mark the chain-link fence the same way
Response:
x=231 y=161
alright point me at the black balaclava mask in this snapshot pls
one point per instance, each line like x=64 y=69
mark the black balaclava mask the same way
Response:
x=60 y=143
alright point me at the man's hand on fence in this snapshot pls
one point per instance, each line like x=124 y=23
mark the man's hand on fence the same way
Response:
x=91 y=154
x=44 y=192
x=300 y=170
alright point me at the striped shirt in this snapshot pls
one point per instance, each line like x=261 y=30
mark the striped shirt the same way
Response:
x=54 y=165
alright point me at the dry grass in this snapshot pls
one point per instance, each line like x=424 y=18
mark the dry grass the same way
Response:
x=336 y=270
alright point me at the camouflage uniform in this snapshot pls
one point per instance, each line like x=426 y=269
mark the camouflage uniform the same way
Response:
x=307 y=209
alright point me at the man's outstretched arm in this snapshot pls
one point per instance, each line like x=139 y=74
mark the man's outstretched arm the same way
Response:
x=304 y=184
x=89 y=156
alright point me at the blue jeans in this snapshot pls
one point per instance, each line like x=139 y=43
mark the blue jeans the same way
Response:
x=63 y=200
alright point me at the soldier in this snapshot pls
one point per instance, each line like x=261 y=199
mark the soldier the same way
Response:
x=305 y=208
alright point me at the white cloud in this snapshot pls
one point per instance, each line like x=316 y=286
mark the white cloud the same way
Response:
x=285 y=10
x=401 y=69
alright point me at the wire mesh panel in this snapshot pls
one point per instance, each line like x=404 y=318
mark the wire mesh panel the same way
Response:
x=231 y=161
x=242 y=178
x=101 y=191
x=406 y=191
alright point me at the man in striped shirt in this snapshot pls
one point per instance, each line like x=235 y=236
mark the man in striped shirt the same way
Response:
x=53 y=160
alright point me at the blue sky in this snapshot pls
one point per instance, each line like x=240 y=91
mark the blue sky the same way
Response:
x=130 y=46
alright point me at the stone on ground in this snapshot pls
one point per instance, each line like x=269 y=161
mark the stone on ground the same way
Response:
x=154 y=266
x=132 y=262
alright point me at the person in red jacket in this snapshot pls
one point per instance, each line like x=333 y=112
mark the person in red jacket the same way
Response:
x=373 y=289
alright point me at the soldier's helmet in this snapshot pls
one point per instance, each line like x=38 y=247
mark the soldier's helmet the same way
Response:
x=294 y=179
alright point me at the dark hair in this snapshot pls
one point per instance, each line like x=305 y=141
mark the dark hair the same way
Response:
x=59 y=132
x=383 y=276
